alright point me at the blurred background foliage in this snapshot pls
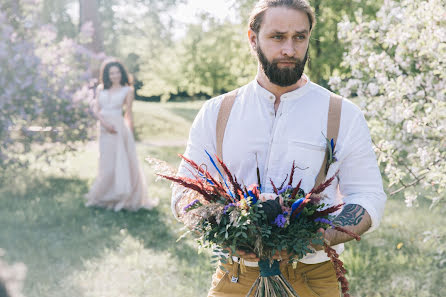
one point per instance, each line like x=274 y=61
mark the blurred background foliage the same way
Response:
x=210 y=57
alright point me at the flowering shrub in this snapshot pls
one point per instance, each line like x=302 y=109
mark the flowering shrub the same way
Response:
x=43 y=86
x=398 y=77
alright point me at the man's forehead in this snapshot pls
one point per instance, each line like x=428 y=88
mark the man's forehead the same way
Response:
x=284 y=20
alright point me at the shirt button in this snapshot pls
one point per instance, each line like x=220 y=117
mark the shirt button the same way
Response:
x=271 y=97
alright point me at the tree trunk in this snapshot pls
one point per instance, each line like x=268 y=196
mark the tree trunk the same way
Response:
x=89 y=12
x=317 y=72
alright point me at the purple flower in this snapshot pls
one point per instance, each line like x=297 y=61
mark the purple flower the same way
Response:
x=190 y=205
x=225 y=209
x=280 y=221
x=324 y=221
x=284 y=189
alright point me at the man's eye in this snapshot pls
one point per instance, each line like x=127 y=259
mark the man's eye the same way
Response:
x=278 y=37
x=300 y=37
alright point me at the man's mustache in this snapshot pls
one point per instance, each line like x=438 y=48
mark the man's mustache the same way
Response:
x=295 y=61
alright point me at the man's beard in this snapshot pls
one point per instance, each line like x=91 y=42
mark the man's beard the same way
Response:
x=283 y=77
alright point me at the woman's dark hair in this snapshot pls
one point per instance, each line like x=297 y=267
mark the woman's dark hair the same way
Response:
x=104 y=76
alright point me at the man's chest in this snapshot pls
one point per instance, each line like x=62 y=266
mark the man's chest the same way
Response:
x=273 y=141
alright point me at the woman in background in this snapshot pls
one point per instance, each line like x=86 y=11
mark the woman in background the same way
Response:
x=120 y=183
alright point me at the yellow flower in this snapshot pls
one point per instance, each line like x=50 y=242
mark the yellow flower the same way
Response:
x=243 y=204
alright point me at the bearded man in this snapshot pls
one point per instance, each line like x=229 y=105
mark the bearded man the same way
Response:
x=281 y=117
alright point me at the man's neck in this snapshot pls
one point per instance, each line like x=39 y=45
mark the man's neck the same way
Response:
x=278 y=91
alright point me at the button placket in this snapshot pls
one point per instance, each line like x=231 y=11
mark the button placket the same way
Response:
x=268 y=164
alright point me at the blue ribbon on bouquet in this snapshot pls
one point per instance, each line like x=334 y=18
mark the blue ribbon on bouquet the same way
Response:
x=219 y=172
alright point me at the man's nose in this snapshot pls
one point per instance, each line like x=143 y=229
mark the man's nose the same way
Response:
x=288 y=48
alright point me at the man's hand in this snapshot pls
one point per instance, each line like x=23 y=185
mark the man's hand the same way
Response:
x=282 y=256
x=353 y=218
x=247 y=256
x=326 y=235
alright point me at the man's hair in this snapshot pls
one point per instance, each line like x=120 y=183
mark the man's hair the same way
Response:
x=256 y=18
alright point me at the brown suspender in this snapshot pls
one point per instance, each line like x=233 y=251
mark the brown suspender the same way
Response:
x=333 y=122
x=222 y=120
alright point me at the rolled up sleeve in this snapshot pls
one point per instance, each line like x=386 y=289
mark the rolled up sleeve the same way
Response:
x=360 y=180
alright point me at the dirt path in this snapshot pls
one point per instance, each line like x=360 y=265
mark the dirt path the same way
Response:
x=164 y=143
x=93 y=145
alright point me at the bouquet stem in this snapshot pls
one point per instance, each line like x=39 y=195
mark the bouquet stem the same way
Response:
x=271 y=282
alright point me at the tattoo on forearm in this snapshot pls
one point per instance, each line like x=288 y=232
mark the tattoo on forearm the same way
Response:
x=351 y=215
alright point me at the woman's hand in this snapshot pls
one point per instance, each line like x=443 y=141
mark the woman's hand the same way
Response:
x=110 y=128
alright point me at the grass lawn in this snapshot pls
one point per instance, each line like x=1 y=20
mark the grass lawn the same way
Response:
x=71 y=250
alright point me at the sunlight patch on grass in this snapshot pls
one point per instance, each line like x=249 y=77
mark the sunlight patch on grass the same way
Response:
x=132 y=270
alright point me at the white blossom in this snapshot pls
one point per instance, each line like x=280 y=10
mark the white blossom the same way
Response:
x=398 y=75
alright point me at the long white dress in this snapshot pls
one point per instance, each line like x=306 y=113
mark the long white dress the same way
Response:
x=120 y=183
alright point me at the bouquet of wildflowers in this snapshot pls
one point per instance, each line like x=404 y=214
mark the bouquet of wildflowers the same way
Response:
x=229 y=215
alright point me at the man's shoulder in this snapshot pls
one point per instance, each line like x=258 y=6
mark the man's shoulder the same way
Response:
x=213 y=104
x=349 y=108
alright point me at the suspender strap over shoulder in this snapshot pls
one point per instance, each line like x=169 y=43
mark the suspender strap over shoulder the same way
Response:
x=222 y=120
x=333 y=123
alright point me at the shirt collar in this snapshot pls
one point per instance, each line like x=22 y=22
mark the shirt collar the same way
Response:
x=267 y=95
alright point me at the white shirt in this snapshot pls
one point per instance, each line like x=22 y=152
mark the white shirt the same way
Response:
x=295 y=133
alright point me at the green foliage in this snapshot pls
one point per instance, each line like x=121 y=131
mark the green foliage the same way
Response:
x=215 y=58
x=212 y=58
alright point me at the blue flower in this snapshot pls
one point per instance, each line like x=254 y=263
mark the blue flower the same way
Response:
x=192 y=204
x=253 y=197
x=296 y=204
x=280 y=221
x=324 y=221
x=225 y=209
x=284 y=189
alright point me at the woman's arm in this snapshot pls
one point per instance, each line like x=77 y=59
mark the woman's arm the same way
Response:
x=128 y=107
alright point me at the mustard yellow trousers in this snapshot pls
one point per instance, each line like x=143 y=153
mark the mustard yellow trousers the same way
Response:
x=308 y=280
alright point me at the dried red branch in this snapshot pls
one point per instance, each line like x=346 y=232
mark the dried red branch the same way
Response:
x=201 y=170
x=274 y=187
x=327 y=211
x=348 y=232
x=319 y=189
x=235 y=185
x=296 y=189
x=195 y=185
x=293 y=168
x=339 y=268
x=283 y=183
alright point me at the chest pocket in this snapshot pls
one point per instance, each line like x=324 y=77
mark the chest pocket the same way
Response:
x=308 y=156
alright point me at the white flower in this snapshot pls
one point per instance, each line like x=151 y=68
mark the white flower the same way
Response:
x=373 y=89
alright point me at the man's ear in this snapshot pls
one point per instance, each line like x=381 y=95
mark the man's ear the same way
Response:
x=252 y=37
